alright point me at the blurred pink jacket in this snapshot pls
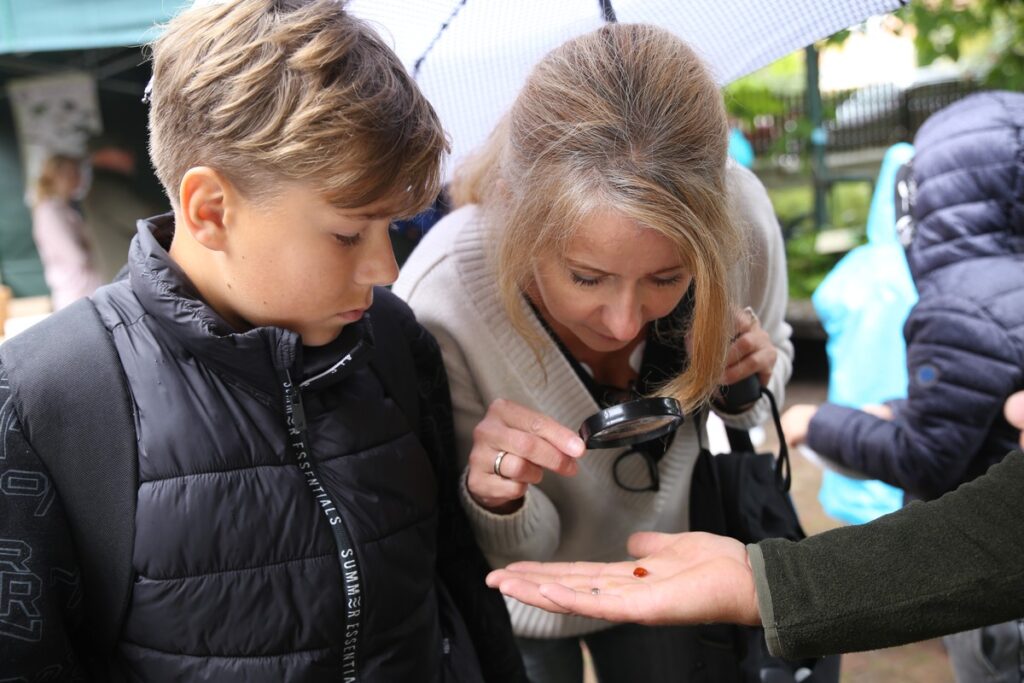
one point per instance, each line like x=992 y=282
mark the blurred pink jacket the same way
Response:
x=64 y=247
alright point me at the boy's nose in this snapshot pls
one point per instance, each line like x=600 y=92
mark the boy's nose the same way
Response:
x=378 y=265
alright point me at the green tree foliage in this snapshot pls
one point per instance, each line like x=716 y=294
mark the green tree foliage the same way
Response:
x=954 y=28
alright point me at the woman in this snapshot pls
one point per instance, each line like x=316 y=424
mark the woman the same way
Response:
x=59 y=233
x=595 y=260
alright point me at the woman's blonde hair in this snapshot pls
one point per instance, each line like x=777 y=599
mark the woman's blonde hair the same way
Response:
x=295 y=90
x=45 y=185
x=626 y=118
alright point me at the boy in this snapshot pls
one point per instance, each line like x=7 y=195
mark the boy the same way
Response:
x=292 y=520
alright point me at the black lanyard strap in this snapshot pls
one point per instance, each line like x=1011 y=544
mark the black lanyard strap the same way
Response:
x=347 y=557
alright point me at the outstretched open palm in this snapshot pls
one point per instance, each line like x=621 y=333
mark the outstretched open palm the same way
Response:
x=685 y=578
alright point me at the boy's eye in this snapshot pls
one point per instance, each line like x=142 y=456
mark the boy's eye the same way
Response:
x=584 y=281
x=348 y=240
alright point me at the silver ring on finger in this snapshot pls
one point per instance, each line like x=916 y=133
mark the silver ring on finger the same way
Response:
x=754 y=320
x=497 y=463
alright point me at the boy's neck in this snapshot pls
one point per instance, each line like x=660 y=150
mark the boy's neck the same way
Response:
x=202 y=269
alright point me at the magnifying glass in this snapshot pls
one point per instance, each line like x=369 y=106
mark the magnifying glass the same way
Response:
x=632 y=422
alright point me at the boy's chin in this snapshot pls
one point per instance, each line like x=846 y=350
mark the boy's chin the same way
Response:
x=321 y=335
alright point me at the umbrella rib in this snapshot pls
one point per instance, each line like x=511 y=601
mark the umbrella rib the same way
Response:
x=419 y=61
x=607 y=11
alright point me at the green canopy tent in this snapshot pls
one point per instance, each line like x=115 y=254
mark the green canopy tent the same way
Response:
x=53 y=25
x=41 y=37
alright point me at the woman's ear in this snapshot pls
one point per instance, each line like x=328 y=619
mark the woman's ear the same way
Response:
x=205 y=196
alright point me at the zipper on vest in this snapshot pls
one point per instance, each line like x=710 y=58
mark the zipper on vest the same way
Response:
x=347 y=557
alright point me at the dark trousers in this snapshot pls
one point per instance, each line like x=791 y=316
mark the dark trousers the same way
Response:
x=991 y=654
x=622 y=654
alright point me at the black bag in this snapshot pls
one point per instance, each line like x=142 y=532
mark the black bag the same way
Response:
x=745 y=495
x=753 y=488
x=76 y=411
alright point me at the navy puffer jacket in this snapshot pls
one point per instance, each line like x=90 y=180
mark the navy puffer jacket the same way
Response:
x=965 y=336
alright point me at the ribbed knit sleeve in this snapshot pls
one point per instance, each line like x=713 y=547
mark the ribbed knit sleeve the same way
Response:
x=533 y=531
x=933 y=568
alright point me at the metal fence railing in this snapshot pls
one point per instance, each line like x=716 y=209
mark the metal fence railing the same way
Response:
x=875 y=116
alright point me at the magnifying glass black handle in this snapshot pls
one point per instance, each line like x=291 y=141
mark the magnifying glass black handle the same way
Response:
x=740 y=395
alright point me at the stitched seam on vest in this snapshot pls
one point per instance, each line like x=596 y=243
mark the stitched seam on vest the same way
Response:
x=230 y=470
x=192 y=306
x=246 y=468
x=274 y=655
x=130 y=323
x=238 y=570
x=263 y=397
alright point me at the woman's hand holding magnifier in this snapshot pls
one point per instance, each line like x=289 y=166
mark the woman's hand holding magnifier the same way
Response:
x=751 y=350
x=512 y=447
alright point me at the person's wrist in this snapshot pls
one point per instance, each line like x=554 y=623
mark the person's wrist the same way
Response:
x=748 y=610
x=496 y=507
x=506 y=508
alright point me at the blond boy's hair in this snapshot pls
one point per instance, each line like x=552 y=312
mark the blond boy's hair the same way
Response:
x=626 y=118
x=266 y=91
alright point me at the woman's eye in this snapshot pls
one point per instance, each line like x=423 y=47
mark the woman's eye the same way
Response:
x=667 y=281
x=584 y=281
x=348 y=240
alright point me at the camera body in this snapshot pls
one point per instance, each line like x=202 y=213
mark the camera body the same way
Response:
x=737 y=397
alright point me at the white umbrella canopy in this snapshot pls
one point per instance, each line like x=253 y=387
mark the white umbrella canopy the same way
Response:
x=470 y=57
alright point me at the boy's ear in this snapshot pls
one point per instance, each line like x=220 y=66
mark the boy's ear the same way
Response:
x=205 y=197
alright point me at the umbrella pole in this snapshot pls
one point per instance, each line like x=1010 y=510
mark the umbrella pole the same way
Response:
x=819 y=173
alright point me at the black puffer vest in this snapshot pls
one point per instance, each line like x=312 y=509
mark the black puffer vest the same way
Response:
x=251 y=449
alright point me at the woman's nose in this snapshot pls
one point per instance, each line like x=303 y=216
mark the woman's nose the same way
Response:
x=624 y=318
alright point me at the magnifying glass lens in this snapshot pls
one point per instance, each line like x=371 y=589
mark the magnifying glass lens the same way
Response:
x=631 y=423
x=636 y=427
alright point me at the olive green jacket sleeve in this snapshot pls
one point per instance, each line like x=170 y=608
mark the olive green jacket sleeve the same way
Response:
x=929 y=569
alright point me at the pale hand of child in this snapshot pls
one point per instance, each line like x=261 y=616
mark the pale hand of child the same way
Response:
x=688 y=578
x=512 y=447
x=751 y=350
x=796 y=421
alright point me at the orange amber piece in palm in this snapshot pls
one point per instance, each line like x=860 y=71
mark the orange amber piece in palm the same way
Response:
x=640 y=572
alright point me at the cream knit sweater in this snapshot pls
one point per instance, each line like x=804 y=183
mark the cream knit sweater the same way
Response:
x=450 y=284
